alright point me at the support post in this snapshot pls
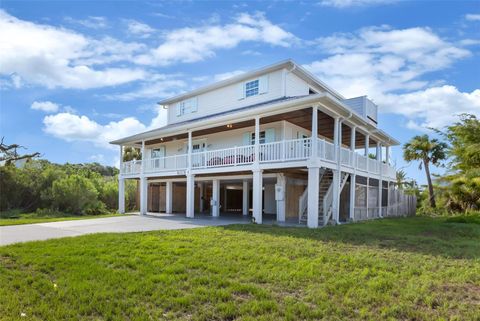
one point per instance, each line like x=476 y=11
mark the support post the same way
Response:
x=143 y=195
x=367 y=144
x=353 y=178
x=142 y=165
x=366 y=195
x=201 y=200
x=336 y=195
x=169 y=197
x=245 y=197
x=387 y=155
x=257 y=140
x=190 y=195
x=336 y=138
x=313 y=197
x=215 y=198
x=280 y=196
x=257 y=196
x=121 y=160
x=189 y=149
x=353 y=147
x=314 y=138
x=121 y=195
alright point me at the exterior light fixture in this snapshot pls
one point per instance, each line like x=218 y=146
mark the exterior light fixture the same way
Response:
x=229 y=126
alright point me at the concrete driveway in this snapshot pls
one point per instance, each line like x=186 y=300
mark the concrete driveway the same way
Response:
x=130 y=223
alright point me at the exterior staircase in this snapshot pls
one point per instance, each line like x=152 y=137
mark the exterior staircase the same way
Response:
x=325 y=198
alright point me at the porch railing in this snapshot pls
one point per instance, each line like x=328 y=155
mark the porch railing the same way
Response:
x=280 y=151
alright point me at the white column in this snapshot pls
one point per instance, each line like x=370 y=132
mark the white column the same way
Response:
x=379 y=159
x=367 y=144
x=142 y=167
x=143 y=195
x=121 y=195
x=352 y=196
x=215 y=198
x=281 y=184
x=353 y=138
x=189 y=149
x=314 y=132
x=257 y=196
x=336 y=135
x=313 y=190
x=190 y=195
x=366 y=195
x=387 y=155
x=245 y=197
x=121 y=159
x=257 y=140
x=379 y=151
x=380 y=191
x=169 y=197
x=200 y=205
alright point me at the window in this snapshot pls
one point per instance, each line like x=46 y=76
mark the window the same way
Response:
x=262 y=138
x=187 y=106
x=252 y=88
x=158 y=152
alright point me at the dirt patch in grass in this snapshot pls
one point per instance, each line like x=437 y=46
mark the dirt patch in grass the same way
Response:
x=467 y=293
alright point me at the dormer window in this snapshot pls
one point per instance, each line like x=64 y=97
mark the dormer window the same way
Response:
x=252 y=88
x=187 y=106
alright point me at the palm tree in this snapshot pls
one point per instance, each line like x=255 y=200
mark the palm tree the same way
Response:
x=401 y=177
x=131 y=153
x=427 y=151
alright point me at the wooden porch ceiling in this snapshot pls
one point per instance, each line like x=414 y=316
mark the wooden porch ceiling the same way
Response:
x=301 y=118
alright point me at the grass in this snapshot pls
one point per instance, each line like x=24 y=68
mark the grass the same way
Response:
x=31 y=218
x=392 y=269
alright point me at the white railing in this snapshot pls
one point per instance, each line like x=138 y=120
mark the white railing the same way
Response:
x=280 y=151
x=131 y=167
x=168 y=163
x=302 y=204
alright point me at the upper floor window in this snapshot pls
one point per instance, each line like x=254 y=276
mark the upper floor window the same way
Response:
x=252 y=88
x=187 y=106
x=261 y=138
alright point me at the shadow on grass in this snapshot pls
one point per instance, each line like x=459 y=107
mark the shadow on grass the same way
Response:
x=431 y=236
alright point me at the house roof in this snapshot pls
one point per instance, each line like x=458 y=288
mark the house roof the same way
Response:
x=288 y=64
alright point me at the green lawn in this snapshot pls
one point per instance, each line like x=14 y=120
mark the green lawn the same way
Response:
x=33 y=218
x=406 y=269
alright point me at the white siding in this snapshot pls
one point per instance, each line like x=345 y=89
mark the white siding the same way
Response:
x=295 y=86
x=227 y=98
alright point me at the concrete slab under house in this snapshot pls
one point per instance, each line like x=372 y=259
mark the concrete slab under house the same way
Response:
x=276 y=144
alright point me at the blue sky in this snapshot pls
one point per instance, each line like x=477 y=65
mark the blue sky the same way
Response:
x=77 y=74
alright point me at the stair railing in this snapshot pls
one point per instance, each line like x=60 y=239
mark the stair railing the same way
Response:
x=302 y=204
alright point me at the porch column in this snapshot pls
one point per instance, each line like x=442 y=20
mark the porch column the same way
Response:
x=169 y=197
x=366 y=195
x=200 y=205
x=190 y=195
x=380 y=182
x=257 y=140
x=245 y=197
x=142 y=165
x=257 y=195
x=353 y=147
x=387 y=155
x=121 y=195
x=353 y=178
x=336 y=138
x=367 y=144
x=189 y=149
x=280 y=191
x=121 y=159
x=215 y=198
x=313 y=190
x=378 y=152
x=314 y=137
x=143 y=195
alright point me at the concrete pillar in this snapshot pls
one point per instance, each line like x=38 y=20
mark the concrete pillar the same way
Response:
x=257 y=196
x=314 y=132
x=190 y=195
x=200 y=198
x=245 y=196
x=313 y=190
x=143 y=195
x=169 y=197
x=282 y=185
x=121 y=195
x=215 y=198
x=352 y=196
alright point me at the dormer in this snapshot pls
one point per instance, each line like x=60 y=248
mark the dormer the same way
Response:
x=365 y=108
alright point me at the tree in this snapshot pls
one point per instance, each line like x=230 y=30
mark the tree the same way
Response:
x=427 y=151
x=401 y=177
x=9 y=154
x=131 y=153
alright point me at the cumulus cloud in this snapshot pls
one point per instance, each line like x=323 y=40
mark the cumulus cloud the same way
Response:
x=353 y=3
x=45 y=106
x=90 y=22
x=388 y=65
x=137 y=28
x=70 y=127
x=55 y=57
x=189 y=45
x=473 y=17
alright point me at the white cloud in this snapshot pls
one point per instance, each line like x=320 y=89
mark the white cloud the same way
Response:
x=472 y=17
x=45 y=106
x=70 y=127
x=226 y=75
x=160 y=86
x=90 y=22
x=56 y=57
x=195 y=44
x=140 y=29
x=388 y=66
x=340 y=4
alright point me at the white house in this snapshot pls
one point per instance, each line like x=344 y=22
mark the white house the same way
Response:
x=275 y=143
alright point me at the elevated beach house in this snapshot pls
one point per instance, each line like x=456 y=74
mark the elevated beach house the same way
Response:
x=275 y=143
